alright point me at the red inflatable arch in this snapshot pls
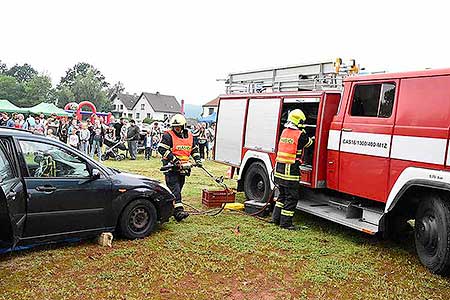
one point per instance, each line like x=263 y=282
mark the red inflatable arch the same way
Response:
x=85 y=103
x=71 y=106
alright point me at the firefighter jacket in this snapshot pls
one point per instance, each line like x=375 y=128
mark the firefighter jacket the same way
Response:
x=290 y=150
x=175 y=147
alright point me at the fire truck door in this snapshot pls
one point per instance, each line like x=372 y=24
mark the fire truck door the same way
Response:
x=366 y=140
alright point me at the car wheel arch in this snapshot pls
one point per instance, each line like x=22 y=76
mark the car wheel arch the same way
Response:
x=136 y=194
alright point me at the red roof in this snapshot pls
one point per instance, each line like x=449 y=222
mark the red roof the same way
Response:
x=214 y=103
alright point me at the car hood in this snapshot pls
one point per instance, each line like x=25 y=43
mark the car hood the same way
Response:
x=135 y=180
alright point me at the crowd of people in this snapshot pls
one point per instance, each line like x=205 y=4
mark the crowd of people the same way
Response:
x=90 y=135
x=87 y=136
x=204 y=137
x=32 y=123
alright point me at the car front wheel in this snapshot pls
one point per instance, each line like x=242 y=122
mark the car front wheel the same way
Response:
x=432 y=234
x=138 y=219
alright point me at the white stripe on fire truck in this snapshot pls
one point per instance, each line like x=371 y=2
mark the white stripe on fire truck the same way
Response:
x=374 y=144
x=334 y=138
x=412 y=148
x=421 y=149
x=448 y=157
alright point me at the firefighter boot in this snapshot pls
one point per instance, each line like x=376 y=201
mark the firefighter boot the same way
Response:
x=292 y=227
x=287 y=212
x=276 y=214
x=180 y=215
x=286 y=219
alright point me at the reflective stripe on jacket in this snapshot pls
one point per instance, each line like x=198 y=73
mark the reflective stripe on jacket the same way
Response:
x=181 y=147
x=287 y=172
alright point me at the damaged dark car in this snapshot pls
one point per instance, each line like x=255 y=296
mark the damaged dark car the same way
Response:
x=51 y=192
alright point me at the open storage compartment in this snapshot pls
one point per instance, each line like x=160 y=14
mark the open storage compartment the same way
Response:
x=310 y=107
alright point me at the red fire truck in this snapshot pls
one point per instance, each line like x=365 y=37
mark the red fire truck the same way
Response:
x=381 y=153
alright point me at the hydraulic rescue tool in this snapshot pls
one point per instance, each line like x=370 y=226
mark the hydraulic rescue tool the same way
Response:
x=209 y=198
x=188 y=166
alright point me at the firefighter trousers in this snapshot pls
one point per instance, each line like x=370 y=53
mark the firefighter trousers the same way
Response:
x=283 y=211
x=175 y=182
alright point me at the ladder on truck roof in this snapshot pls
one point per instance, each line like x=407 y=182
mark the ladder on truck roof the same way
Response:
x=304 y=77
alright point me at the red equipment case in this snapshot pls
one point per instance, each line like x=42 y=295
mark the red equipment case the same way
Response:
x=217 y=198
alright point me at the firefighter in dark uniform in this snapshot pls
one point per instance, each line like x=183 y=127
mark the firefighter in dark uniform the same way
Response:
x=287 y=169
x=175 y=147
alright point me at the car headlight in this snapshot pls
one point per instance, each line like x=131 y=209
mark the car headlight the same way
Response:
x=165 y=188
x=160 y=188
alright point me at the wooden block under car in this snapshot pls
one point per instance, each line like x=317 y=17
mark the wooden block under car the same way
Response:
x=105 y=239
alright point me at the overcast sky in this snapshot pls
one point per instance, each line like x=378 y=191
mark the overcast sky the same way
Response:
x=181 y=47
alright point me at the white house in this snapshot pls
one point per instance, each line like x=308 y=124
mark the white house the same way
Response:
x=155 y=106
x=123 y=105
x=210 y=107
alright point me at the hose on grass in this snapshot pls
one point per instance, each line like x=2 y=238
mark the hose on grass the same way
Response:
x=209 y=212
x=215 y=211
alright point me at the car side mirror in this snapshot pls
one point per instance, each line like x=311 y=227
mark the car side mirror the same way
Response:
x=95 y=174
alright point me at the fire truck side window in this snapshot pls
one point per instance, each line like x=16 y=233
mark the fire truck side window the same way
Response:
x=386 y=100
x=373 y=100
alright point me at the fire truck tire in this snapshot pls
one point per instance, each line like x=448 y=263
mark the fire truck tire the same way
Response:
x=256 y=183
x=432 y=234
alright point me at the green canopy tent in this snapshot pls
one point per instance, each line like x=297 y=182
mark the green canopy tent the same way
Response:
x=48 y=109
x=6 y=106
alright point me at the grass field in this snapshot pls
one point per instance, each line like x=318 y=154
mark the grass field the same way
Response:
x=207 y=258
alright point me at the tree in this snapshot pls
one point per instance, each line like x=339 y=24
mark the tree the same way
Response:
x=63 y=96
x=147 y=121
x=11 y=89
x=117 y=88
x=83 y=82
x=3 y=67
x=88 y=87
x=81 y=69
x=22 y=73
x=38 y=89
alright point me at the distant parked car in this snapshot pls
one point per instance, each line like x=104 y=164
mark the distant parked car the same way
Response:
x=50 y=192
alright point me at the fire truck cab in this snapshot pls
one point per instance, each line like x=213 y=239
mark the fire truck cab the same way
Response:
x=380 y=161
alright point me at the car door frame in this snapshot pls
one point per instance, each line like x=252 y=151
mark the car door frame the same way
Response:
x=14 y=199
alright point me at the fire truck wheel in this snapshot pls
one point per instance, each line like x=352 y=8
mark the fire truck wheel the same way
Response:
x=256 y=183
x=432 y=234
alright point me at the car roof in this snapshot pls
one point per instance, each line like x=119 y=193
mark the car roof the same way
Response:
x=22 y=133
x=6 y=131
